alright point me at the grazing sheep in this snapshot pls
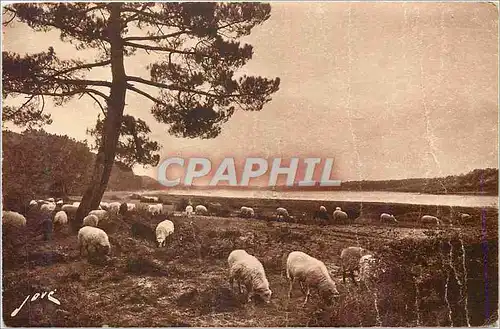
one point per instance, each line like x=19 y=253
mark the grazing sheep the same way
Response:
x=428 y=219
x=163 y=230
x=340 y=216
x=387 y=218
x=114 y=208
x=201 y=210
x=130 y=206
x=189 y=210
x=322 y=213
x=94 y=241
x=349 y=258
x=123 y=209
x=69 y=209
x=100 y=214
x=248 y=270
x=247 y=212
x=155 y=209
x=313 y=273
x=90 y=220
x=48 y=207
x=14 y=219
x=60 y=218
x=282 y=213
x=149 y=199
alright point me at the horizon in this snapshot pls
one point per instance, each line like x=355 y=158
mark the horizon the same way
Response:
x=413 y=88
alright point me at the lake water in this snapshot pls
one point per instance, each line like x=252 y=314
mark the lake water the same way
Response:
x=352 y=196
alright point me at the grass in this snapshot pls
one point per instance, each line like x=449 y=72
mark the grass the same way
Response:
x=186 y=283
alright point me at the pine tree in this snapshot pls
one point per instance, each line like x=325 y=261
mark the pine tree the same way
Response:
x=197 y=55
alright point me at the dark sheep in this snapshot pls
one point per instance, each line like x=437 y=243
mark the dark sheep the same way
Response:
x=123 y=209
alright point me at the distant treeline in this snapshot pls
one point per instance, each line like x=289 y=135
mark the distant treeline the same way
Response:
x=478 y=181
x=37 y=164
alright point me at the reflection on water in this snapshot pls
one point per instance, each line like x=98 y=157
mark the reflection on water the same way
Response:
x=353 y=196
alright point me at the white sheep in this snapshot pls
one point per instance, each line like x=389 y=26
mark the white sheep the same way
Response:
x=201 y=210
x=33 y=203
x=428 y=219
x=312 y=273
x=14 y=219
x=340 y=216
x=248 y=270
x=322 y=209
x=338 y=208
x=150 y=198
x=114 y=207
x=247 y=212
x=94 y=241
x=282 y=213
x=48 y=207
x=100 y=214
x=349 y=258
x=69 y=209
x=155 y=209
x=104 y=205
x=163 y=230
x=189 y=210
x=131 y=206
x=60 y=218
x=90 y=220
x=387 y=218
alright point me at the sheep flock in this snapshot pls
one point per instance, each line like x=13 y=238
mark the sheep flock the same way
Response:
x=323 y=281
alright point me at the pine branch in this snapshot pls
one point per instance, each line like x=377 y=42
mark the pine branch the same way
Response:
x=155 y=38
x=176 y=88
x=159 y=48
x=98 y=103
x=145 y=94
x=83 y=66
x=84 y=82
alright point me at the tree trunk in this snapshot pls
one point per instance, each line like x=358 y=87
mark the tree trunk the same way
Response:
x=107 y=150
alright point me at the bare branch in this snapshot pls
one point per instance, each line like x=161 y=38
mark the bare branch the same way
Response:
x=145 y=94
x=159 y=48
x=26 y=103
x=11 y=19
x=83 y=66
x=85 y=82
x=63 y=94
x=177 y=88
x=98 y=103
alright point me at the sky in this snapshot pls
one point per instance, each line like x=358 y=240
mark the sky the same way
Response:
x=388 y=90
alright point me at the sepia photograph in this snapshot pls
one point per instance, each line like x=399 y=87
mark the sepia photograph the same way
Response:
x=250 y=164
